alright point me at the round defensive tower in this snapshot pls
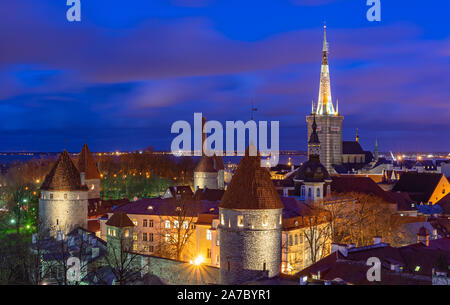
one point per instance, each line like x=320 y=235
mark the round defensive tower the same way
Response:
x=250 y=215
x=63 y=205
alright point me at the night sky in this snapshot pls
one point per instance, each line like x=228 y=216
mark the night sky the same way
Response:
x=121 y=77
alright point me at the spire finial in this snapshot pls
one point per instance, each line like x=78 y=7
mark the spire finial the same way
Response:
x=357 y=135
x=325 y=44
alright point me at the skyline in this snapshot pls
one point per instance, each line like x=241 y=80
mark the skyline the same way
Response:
x=118 y=80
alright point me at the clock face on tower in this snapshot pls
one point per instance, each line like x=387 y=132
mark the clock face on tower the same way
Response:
x=314 y=150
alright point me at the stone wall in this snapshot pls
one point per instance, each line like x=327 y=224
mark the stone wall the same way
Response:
x=63 y=210
x=93 y=188
x=252 y=250
x=174 y=272
x=205 y=180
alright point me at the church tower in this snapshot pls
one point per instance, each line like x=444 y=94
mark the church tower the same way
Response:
x=63 y=205
x=250 y=215
x=329 y=122
x=312 y=180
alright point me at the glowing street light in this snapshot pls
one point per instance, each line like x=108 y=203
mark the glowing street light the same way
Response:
x=198 y=260
x=12 y=221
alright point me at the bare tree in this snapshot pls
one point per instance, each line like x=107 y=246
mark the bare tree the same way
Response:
x=317 y=235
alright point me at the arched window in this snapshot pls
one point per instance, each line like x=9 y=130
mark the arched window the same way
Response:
x=265 y=220
x=318 y=192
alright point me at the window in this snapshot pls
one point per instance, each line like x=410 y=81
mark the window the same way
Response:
x=144 y=236
x=176 y=224
x=65 y=196
x=167 y=224
x=290 y=240
x=150 y=248
x=185 y=225
x=92 y=187
x=217 y=240
x=150 y=236
x=127 y=233
x=303 y=191
x=318 y=192
x=144 y=223
x=281 y=218
x=265 y=221
x=150 y=223
x=208 y=253
x=240 y=220
x=208 y=234
x=264 y=266
x=167 y=237
x=135 y=247
x=222 y=220
x=51 y=196
x=296 y=239
x=417 y=269
x=309 y=193
x=135 y=236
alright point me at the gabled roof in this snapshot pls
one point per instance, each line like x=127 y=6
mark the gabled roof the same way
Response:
x=87 y=165
x=251 y=187
x=64 y=176
x=444 y=203
x=352 y=148
x=420 y=186
x=120 y=220
x=343 y=184
x=208 y=194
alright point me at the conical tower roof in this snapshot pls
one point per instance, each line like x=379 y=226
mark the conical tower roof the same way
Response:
x=251 y=187
x=87 y=165
x=120 y=220
x=64 y=176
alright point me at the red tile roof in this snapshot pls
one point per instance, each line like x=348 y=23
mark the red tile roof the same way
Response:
x=64 y=176
x=120 y=220
x=251 y=187
x=87 y=165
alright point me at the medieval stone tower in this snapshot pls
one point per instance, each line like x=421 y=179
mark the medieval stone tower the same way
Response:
x=250 y=216
x=89 y=173
x=329 y=122
x=210 y=171
x=63 y=205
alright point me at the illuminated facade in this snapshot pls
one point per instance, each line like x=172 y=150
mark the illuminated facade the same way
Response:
x=329 y=122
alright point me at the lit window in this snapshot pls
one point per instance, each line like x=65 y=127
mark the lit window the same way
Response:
x=281 y=219
x=176 y=224
x=167 y=224
x=144 y=236
x=150 y=236
x=222 y=219
x=127 y=233
x=135 y=237
x=208 y=235
x=150 y=223
x=167 y=237
x=240 y=220
x=135 y=247
x=265 y=221
x=144 y=223
x=185 y=225
x=92 y=187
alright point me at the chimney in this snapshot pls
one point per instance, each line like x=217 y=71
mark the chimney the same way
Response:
x=342 y=248
x=377 y=240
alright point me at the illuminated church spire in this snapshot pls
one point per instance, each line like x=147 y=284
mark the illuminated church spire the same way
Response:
x=324 y=103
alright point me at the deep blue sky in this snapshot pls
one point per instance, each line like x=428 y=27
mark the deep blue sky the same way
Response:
x=122 y=76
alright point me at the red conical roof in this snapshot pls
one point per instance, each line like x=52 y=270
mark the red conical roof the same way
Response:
x=251 y=187
x=87 y=165
x=64 y=176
